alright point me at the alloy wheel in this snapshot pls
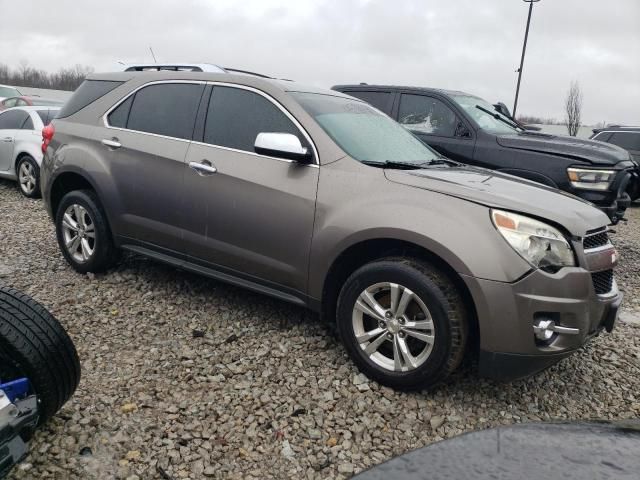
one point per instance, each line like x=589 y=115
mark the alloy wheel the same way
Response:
x=79 y=234
x=27 y=177
x=393 y=327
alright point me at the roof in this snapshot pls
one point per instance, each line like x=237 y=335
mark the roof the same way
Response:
x=365 y=86
x=617 y=128
x=240 y=79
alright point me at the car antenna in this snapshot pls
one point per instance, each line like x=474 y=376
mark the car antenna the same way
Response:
x=153 y=55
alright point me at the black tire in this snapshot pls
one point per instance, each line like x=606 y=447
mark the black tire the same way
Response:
x=445 y=305
x=28 y=160
x=105 y=254
x=34 y=345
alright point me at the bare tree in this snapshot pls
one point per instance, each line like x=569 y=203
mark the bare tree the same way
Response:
x=573 y=108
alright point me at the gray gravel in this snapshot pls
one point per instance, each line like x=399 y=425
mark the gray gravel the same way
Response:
x=184 y=377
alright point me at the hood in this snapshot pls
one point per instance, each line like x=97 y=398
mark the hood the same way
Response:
x=507 y=192
x=591 y=151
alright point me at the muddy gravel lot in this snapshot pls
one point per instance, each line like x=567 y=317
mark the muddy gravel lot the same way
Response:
x=185 y=377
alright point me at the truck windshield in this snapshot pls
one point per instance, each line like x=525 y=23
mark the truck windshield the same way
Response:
x=363 y=132
x=486 y=116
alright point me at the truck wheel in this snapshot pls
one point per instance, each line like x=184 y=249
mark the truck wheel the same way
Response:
x=34 y=345
x=83 y=233
x=403 y=323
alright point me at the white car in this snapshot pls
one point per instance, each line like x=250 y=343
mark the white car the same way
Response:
x=21 y=145
x=6 y=91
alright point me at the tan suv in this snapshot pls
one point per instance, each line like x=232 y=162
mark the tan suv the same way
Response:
x=318 y=199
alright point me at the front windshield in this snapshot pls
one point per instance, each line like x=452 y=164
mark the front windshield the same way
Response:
x=9 y=92
x=485 y=120
x=363 y=132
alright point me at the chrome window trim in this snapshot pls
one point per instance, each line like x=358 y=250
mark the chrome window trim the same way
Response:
x=298 y=125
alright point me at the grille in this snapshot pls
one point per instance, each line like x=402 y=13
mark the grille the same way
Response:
x=595 y=240
x=602 y=281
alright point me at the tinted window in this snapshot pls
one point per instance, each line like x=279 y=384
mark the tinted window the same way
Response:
x=46 y=116
x=165 y=109
x=424 y=114
x=628 y=140
x=27 y=124
x=602 y=137
x=380 y=100
x=13 y=119
x=236 y=117
x=118 y=117
x=88 y=92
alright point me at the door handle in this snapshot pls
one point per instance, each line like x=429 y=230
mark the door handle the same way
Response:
x=8 y=139
x=113 y=143
x=203 y=168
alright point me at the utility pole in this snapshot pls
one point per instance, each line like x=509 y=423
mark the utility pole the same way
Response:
x=524 y=49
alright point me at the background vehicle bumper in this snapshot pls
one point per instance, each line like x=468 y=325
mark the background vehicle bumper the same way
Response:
x=507 y=312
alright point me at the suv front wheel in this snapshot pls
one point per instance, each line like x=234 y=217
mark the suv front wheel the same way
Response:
x=83 y=233
x=403 y=323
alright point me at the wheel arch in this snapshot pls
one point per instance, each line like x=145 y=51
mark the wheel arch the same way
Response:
x=366 y=251
x=66 y=182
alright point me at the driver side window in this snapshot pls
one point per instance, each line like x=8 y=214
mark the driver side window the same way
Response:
x=427 y=115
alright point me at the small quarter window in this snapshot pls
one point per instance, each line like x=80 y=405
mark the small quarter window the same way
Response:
x=119 y=116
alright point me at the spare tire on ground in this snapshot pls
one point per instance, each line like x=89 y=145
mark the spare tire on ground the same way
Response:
x=34 y=345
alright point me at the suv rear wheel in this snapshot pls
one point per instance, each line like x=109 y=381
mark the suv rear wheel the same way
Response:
x=83 y=233
x=403 y=323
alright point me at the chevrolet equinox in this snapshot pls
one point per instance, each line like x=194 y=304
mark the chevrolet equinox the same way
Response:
x=318 y=199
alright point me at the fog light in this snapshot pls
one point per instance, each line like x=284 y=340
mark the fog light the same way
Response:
x=544 y=329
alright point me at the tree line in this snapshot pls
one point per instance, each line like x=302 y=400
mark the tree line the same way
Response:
x=27 y=76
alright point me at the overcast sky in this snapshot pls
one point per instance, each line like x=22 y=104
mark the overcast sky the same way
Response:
x=470 y=45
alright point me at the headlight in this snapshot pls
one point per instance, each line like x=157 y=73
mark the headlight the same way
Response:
x=591 y=179
x=542 y=245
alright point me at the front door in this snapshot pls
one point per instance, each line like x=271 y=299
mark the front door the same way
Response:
x=437 y=125
x=249 y=214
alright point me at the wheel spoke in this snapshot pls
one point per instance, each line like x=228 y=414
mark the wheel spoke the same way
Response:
x=397 y=361
x=367 y=304
x=68 y=222
x=367 y=336
x=425 y=337
x=86 y=249
x=407 y=358
x=407 y=295
x=420 y=325
x=73 y=244
x=395 y=291
x=373 y=346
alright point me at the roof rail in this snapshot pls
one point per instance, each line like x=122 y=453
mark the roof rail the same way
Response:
x=246 y=72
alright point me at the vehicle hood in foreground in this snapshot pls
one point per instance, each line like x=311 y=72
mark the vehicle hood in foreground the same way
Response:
x=591 y=151
x=537 y=451
x=507 y=192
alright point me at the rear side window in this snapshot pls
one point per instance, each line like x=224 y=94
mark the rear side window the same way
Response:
x=27 y=124
x=602 y=137
x=628 y=140
x=46 y=116
x=13 y=119
x=236 y=117
x=380 y=100
x=88 y=92
x=164 y=109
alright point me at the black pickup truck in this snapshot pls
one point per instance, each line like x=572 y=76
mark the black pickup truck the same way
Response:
x=468 y=129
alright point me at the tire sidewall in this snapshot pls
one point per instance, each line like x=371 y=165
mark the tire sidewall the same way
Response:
x=102 y=241
x=431 y=370
x=36 y=191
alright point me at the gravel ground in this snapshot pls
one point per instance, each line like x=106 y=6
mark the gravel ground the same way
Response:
x=185 y=377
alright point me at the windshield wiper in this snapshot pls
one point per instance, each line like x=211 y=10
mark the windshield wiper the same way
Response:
x=398 y=165
x=442 y=161
x=497 y=116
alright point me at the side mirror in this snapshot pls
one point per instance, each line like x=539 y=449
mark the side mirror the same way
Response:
x=282 y=145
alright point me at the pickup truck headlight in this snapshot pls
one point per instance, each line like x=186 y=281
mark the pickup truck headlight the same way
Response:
x=542 y=245
x=590 y=179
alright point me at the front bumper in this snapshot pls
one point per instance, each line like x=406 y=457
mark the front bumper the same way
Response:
x=507 y=311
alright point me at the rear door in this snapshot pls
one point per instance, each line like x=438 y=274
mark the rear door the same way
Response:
x=11 y=121
x=436 y=124
x=146 y=142
x=254 y=215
